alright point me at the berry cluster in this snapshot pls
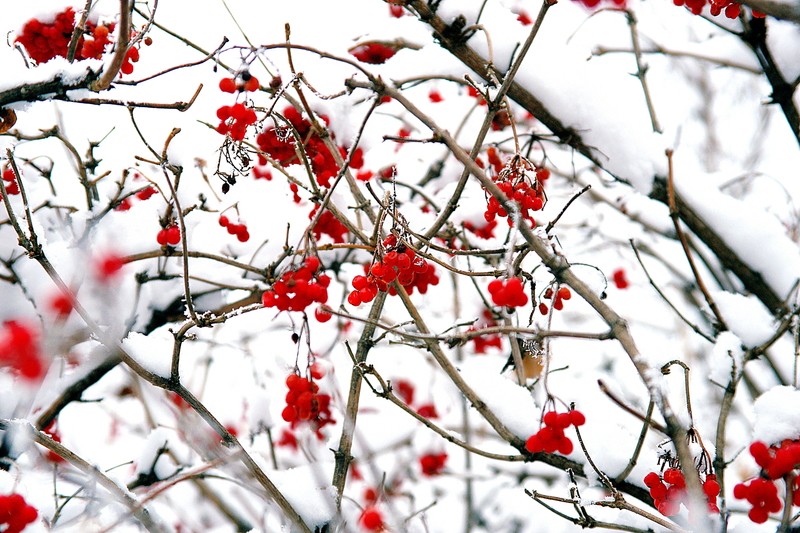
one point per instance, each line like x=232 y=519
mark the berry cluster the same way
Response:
x=432 y=464
x=239 y=229
x=730 y=8
x=280 y=143
x=235 y=119
x=508 y=292
x=45 y=40
x=551 y=437
x=304 y=403
x=776 y=462
x=12 y=187
x=669 y=491
x=556 y=299
x=591 y=4
x=15 y=513
x=19 y=350
x=399 y=263
x=171 y=235
x=482 y=343
x=486 y=231
x=244 y=82
x=405 y=390
x=329 y=225
x=374 y=53
x=131 y=57
x=297 y=289
x=762 y=495
x=519 y=186
x=141 y=195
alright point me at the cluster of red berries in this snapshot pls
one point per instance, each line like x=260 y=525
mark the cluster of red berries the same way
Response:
x=551 y=438
x=591 y=4
x=557 y=299
x=304 y=403
x=131 y=57
x=19 y=350
x=776 y=462
x=432 y=464
x=12 y=187
x=486 y=231
x=244 y=82
x=730 y=8
x=171 y=235
x=234 y=120
x=45 y=40
x=141 y=195
x=239 y=229
x=299 y=288
x=762 y=495
x=669 y=491
x=405 y=390
x=508 y=292
x=399 y=263
x=328 y=225
x=515 y=181
x=15 y=513
x=374 y=53
x=279 y=143
x=482 y=343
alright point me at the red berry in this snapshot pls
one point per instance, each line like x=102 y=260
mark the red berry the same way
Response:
x=321 y=315
x=173 y=235
x=227 y=85
x=576 y=418
x=371 y=519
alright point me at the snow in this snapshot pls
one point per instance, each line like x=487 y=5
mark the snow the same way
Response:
x=153 y=352
x=726 y=358
x=313 y=500
x=754 y=235
x=747 y=318
x=777 y=415
x=513 y=405
x=735 y=165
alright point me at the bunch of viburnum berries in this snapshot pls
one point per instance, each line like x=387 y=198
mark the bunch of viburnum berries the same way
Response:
x=297 y=289
x=779 y=461
x=398 y=262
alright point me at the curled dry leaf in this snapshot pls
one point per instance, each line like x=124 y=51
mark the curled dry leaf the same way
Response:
x=7 y=119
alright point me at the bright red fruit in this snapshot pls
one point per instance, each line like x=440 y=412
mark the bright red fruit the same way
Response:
x=373 y=53
x=20 y=350
x=15 y=513
x=371 y=519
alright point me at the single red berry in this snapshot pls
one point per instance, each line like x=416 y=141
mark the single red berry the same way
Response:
x=227 y=85
x=322 y=315
x=173 y=235
x=576 y=418
x=371 y=519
